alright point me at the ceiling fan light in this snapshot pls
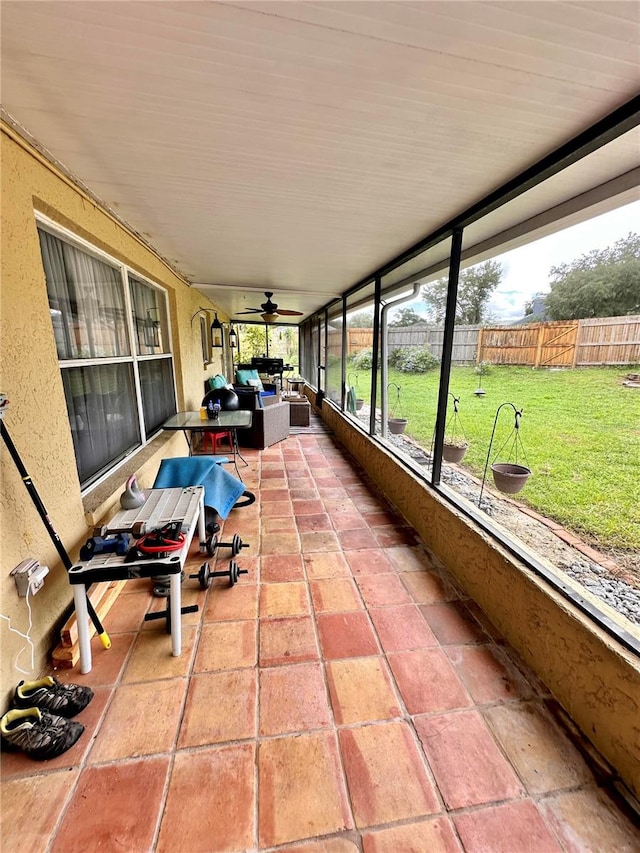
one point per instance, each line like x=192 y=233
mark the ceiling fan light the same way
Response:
x=269 y=318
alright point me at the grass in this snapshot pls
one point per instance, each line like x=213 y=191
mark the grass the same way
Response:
x=580 y=431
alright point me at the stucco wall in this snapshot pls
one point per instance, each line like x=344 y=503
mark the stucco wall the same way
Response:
x=594 y=678
x=37 y=419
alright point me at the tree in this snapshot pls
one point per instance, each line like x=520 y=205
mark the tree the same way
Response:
x=406 y=317
x=361 y=320
x=601 y=283
x=475 y=287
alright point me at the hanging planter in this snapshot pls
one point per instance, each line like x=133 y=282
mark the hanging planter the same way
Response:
x=454 y=452
x=455 y=441
x=359 y=403
x=510 y=478
x=396 y=423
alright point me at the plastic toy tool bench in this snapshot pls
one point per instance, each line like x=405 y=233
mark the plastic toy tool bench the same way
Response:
x=161 y=508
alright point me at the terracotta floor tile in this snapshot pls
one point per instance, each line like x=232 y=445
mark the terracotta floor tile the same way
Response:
x=275 y=473
x=428 y=836
x=141 y=720
x=406 y=559
x=543 y=755
x=487 y=675
x=293 y=699
x=468 y=766
x=382 y=590
x=291 y=772
x=288 y=640
x=402 y=627
x=270 y=495
x=345 y=635
x=32 y=807
x=275 y=508
x=226 y=603
x=277 y=524
x=427 y=681
x=330 y=565
x=284 y=599
x=326 y=480
x=589 y=820
x=348 y=521
x=307 y=507
x=281 y=568
x=279 y=543
x=452 y=623
x=151 y=657
x=107 y=664
x=129 y=614
x=336 y=506
x=391 y=537
x=221 y=706
x=382 y=519
x=327 y=845
x=227 y=645
x=303 y=493
x=367 y=562
x=210 y=802
x=504 y=829
x=112 y=823
x=311 y=523
x=334 y=594
x=356 y=540
x=427 y=587
x=361 y=690
x=321 y=540
x=378 y=796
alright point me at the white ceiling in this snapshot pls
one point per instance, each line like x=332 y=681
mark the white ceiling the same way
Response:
x=296 y=147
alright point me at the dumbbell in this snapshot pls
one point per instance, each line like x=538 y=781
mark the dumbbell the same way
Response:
x=205 y=575
x=137 y=529
x=118 y=544
x=236 y=545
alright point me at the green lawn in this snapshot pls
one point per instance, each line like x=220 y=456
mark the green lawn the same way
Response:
x=580 y=430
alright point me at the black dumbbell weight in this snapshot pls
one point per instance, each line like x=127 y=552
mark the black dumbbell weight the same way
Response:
x=236 y=545
x=205 y=575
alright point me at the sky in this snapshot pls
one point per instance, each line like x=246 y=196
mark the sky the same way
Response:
x=526 y=270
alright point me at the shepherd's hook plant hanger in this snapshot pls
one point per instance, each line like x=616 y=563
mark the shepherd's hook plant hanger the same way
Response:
x=516 y=444
x=452 y=425
x=396 y=409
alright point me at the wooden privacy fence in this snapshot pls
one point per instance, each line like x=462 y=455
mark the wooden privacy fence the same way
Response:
x=561 y=343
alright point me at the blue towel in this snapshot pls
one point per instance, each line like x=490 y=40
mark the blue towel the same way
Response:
x=221 y=489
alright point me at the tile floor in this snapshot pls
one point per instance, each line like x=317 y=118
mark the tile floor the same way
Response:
x=343 y=697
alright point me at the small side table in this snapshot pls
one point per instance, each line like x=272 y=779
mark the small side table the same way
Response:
x=299 y=411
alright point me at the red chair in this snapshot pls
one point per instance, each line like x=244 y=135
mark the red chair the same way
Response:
x=216 y=439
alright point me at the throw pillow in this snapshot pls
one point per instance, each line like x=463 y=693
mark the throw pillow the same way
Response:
x=244 y=377
x=217 y=381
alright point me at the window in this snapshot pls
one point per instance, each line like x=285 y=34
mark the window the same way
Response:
x=112 y=338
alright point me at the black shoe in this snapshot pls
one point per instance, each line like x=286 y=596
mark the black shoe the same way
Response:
x=37 y=733
x=48 y=694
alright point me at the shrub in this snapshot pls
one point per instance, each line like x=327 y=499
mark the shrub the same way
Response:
x=483 y=368
x=416 y=360
x=363 y=360
x=395 y=356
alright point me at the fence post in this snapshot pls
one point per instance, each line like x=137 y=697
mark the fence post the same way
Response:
x=536 y=360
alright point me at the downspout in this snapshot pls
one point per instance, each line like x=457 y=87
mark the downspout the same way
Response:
x=384 y=370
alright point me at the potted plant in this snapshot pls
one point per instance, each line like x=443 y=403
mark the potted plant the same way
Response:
x=359 y=403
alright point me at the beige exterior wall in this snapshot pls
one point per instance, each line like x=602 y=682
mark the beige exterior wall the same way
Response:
x=37 y=419
x=594 y=678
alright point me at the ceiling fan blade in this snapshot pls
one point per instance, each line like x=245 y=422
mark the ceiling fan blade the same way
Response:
x=250 y=311
x=290 y=313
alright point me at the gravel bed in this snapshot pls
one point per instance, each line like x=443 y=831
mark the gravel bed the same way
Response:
x=621 y=593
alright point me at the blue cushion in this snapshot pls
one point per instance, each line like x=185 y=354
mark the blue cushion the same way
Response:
x=243 y=377
x=217 y=381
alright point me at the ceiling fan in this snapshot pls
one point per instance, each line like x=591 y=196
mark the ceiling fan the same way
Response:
x=269 y=310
